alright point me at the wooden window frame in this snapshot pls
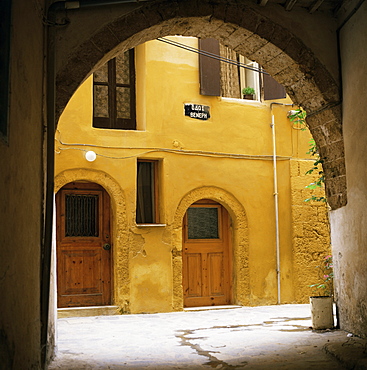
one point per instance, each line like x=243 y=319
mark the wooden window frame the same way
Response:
x=205 y=204
x=155 y=191
x=245 y=75
x=112 y=121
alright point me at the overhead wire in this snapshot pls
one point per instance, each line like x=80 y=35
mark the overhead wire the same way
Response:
x=211 y=55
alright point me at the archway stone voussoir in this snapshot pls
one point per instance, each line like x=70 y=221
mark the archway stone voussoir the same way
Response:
x=266 y=53
x=210 y=28
x=317 y=134
x=335 y=185
x=322 y=77
x=280 y=37
x=252 y=45
x=122 y=28
x=238 y=38
x=328 y=124
x=225 y=31
x=104 y=42
x=313 y=103
x=336 y=168
x=286 y=76
x=295 y=48
x=332 y=152
x=305 y=90
x=251 y=20
x=265 y=29
x=279 y=64
x=337 y=200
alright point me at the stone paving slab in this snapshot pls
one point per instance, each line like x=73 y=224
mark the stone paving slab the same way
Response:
x=268 y=337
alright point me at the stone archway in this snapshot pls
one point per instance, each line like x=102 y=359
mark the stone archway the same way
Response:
x=241 y=286
x=243 y=28
x=119 y=227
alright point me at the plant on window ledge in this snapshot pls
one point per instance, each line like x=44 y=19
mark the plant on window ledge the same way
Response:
x=248 y=93
x=298 y=117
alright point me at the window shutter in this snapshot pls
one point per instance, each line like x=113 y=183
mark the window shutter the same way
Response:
x=209 y=68
x=272 y=89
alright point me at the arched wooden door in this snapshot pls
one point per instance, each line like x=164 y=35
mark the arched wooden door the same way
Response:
x=83 y=245
x=207 y=271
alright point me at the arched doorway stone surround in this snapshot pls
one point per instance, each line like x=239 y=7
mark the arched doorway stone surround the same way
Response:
x=121 y=291
x=242 y=27
x=240 y=242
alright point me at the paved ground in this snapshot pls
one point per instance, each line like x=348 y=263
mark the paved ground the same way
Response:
x=271 y=337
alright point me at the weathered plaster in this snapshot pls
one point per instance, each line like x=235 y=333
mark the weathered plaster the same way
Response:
x=349 y=224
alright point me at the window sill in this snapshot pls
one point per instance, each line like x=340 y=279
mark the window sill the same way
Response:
x=240 y=100
x=151 y=225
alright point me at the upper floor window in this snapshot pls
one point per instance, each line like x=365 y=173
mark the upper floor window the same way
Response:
x=218 y=78
x=114 y=93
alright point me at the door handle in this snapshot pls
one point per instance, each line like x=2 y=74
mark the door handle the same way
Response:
x=106 y=247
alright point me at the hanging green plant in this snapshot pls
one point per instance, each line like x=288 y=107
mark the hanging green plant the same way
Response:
x=298 y=119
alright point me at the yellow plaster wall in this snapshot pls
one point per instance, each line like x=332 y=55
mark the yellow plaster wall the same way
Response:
x=226 y=158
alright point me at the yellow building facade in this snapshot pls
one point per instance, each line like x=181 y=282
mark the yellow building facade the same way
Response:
x=227 y=225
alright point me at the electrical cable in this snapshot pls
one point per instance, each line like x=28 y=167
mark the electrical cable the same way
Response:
x=72 y=146
x=211 y=55
x=184 y=152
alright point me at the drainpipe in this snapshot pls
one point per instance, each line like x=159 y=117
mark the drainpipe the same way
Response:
x=276 y=198
x=46 y=248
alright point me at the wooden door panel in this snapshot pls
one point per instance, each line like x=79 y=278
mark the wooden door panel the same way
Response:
x=193 y=274
x=83 y=227
x=206 y=262
x=81 y=271
x=215 y=263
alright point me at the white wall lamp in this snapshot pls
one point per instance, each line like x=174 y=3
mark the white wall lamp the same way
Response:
x=90 y=156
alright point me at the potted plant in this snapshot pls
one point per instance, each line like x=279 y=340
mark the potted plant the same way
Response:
x=248 y=93
x=322 y=304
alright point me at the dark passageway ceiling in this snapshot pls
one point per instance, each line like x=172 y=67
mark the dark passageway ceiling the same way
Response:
x=325 y=6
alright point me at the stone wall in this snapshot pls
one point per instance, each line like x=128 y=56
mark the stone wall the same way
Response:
x=311 y=236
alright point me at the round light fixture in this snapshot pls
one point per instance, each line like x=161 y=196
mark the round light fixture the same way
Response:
x=90 y=156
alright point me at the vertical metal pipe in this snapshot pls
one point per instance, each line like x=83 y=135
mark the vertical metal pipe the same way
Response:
x=276 y=202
